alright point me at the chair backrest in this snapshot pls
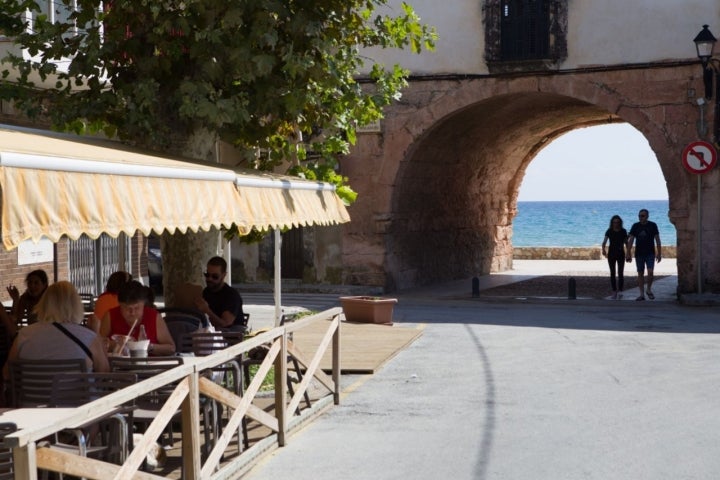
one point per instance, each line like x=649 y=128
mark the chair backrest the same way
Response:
x=31 y=380
x=145 y=368
x=7 y=471
x=179 y=326
x=88 y=301
x=208 y=343
x=167 y=312
x=75 y=389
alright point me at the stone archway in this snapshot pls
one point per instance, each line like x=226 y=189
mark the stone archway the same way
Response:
x=456 y=198
x=439 y=186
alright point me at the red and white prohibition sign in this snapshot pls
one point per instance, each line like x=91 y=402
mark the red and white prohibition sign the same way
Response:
x=699 y=157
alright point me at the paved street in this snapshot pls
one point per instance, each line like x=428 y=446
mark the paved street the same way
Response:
x=596 y=390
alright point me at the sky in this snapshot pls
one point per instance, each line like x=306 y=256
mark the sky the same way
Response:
x=607 y=162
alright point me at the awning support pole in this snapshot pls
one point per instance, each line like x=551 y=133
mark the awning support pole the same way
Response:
x=278 y=303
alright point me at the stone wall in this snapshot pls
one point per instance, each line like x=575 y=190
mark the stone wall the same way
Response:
x=438 y=185
x=571 y=253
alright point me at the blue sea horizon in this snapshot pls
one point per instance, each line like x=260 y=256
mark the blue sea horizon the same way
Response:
x=583 y=223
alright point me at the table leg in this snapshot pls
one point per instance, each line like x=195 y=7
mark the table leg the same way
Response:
x=25 y=462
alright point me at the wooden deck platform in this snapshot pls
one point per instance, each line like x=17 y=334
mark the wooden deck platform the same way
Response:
x=365 y=347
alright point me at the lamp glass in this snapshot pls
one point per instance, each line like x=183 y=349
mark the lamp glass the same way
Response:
x=705 y=42
x=705 y=49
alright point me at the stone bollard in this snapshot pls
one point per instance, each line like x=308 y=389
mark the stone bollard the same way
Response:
x=475 y=287
x=571 y=289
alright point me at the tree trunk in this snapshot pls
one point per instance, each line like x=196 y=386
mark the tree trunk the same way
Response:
x=184 y=256
x=184 y=259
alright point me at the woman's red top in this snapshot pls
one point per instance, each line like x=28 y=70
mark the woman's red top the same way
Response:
x=118 y=325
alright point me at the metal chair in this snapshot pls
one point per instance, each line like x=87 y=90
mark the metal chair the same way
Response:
x=7 y=470
x=31 y=380
x=76 y=389
x=181 y=322
x=31 y=384
x=88 y=301
x=257 y=355
x=228 y=374
x=149 y=405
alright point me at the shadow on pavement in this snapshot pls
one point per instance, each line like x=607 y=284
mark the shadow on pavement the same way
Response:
x=645 y=316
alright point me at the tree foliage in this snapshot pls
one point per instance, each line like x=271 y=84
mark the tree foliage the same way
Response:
x=260 y=74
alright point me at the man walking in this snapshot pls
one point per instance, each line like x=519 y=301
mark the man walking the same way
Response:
x=647 y=235
x=222 y=303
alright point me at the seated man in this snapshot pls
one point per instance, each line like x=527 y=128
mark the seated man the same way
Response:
x=222 y=303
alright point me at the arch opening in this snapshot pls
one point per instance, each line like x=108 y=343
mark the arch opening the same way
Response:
x=580 y=180
x=457 y=188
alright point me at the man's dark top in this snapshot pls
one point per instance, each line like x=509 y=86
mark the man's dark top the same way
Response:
x=644 y=238
x=618 y=239
x=227 y=298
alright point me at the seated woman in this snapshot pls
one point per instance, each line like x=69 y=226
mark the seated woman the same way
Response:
x=23 y=305
x=133 y=312
x=109 y=298
x=58 y=333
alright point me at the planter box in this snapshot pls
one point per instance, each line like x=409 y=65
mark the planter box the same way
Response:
x=368 y=309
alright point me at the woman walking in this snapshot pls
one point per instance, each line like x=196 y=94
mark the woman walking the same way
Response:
x=616 y=235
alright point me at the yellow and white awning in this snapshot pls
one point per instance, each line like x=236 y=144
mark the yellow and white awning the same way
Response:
x=55 y=185
x=275 y=201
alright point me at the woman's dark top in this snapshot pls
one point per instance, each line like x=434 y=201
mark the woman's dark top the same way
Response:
x=618 y=240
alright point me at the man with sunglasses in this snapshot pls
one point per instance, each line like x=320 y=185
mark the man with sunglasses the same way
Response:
x=220 y=302
x=647 y=235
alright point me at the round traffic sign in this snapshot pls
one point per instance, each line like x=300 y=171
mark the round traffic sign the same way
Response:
x=699 y=157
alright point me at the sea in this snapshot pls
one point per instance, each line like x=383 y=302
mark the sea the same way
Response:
x=583 y=223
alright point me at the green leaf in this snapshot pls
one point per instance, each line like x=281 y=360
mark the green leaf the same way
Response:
x=255 y=73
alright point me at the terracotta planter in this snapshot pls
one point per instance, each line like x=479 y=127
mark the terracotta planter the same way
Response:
x=368 y=309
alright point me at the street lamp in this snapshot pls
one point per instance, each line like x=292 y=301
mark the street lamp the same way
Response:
x=705 y=44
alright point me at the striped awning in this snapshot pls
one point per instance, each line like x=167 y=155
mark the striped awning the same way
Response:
x=55 y=185
x=276 y=201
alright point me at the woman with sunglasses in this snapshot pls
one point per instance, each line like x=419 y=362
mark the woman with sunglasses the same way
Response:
x=616 y=235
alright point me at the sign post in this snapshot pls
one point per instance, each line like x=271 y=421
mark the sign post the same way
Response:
x=698 y=158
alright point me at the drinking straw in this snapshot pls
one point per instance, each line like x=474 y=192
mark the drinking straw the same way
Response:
x=127 y=337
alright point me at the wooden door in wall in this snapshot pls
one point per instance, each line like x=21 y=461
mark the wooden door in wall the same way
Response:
x=291 y=253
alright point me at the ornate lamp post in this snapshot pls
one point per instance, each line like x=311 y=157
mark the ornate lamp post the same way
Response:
x=705 y=44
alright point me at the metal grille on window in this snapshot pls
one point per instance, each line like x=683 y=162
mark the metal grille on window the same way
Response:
x=93 y=261
x=524 y=29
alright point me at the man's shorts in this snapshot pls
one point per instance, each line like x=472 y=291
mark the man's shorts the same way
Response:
x=643 y=261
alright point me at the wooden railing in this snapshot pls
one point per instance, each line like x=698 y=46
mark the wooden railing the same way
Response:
x=28 y=456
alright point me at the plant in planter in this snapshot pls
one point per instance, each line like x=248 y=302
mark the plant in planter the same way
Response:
x=368 y=309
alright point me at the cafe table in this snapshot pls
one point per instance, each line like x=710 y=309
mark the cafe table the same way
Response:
x=31 y=420
x=36 y=423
